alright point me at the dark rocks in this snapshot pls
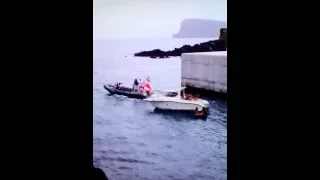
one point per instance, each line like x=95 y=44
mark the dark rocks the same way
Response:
x=216 y=45
x=98 y=174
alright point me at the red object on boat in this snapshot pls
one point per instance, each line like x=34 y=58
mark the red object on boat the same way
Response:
x=147 y=86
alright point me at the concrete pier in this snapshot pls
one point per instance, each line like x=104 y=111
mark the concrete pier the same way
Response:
x=206 y=72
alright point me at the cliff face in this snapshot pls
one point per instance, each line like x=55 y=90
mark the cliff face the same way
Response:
x=200 y=28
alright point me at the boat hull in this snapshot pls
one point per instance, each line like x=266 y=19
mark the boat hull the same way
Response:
x=168 y=105
x=130 y=94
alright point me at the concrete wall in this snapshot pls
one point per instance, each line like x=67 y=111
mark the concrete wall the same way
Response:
x=206 y=70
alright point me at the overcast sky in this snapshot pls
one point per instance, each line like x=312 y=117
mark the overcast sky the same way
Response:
x=123 y=19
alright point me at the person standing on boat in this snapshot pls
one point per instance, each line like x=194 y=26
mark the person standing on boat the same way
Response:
x=182 y=95
x=140 y=87
x=135 y=85
x=147 y=86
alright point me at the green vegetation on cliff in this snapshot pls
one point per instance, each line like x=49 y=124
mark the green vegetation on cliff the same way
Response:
x=223 y=34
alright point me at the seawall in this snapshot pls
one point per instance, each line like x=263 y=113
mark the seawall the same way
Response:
x=205 y=73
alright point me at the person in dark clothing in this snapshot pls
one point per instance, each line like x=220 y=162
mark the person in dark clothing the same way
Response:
x=182 y=94
x=118 y=85
x=135 y=85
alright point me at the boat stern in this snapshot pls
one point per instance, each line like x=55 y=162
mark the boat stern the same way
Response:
x=205 y=104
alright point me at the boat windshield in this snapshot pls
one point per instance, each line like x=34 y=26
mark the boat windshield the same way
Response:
x=171 y=94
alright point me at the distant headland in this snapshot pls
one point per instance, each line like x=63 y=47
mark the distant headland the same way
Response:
x=187 y=31
x=200 y=28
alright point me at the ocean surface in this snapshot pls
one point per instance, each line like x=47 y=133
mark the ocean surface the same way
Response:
x=133 y=142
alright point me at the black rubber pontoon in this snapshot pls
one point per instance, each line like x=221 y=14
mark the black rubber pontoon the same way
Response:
x=131 y=94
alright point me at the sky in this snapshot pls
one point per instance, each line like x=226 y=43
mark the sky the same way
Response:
x=142 y=19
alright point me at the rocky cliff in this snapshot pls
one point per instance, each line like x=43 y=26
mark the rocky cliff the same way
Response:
x=215 y=45
x=200 y=28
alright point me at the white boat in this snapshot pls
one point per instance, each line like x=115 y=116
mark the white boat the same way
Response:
x=176 y=101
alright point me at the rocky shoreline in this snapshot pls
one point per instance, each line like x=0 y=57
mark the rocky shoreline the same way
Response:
x=98 y=174
x=215 y=45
